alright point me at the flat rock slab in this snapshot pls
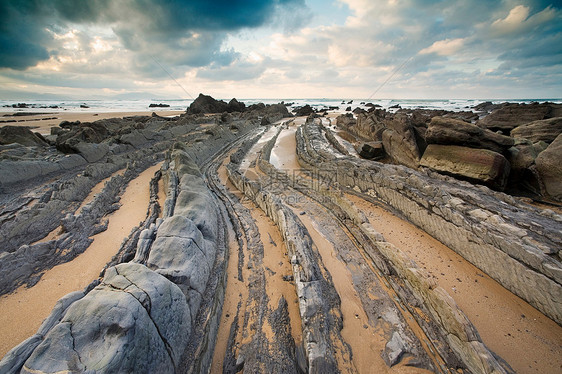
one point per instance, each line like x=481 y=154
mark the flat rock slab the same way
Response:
x=450 y=131
x=479 y=165
x=544 y=130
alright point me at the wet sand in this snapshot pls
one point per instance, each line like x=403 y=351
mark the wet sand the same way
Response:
x=281 y=155
x=22 y=312
x=42 y=123
x=529 y=341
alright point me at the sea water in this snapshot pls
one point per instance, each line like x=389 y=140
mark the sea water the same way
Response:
x=102 y=106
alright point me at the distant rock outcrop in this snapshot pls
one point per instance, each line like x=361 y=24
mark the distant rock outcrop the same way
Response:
x=304 y=111
x=205 y=104
x=510 y=115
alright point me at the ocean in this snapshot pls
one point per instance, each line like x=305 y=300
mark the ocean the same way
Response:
x=102 y=106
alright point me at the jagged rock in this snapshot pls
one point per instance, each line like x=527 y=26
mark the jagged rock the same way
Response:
x=549 y=166
x=394 y=349
x=20 y=135
x=449 y=131
x=159 y=105
x=509 y=115
x=399 y=142
x=478 y=165
x=134 y=321
x=57 y=130
x=207 y=104
x=80 y=133
x=235 y=106
x=304 y=111
x=372 y=151
x=544 y=130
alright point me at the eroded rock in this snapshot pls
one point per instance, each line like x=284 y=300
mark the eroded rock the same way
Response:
x=549 y=166
x=135 y=320
x=450 y=131
x=544 y=130
x=479 y=165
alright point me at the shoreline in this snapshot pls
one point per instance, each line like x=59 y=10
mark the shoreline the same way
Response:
x=42 y=122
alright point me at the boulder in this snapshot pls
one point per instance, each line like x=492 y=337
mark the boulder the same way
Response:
x=510 y=115
x=549 y=166
x=450 y=131
x=206 y=104
x=544 y=130
x=476 y=165
x=372 y=151
x=20 y=135
x=134 y=321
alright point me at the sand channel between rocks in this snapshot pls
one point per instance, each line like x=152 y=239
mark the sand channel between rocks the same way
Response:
x=22 y=312
x=528 y=340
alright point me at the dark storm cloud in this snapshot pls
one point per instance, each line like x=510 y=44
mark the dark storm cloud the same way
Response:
x=195 y=29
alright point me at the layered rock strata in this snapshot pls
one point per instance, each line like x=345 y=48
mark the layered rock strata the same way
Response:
x=514 y=243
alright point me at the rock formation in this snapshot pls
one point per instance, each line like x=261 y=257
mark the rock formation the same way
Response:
x=243 y=266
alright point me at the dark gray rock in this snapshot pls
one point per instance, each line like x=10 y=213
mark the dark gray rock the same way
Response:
x=304 y=111
x=20 y=135
x=206 y=104
x=235 y=106
x=92 y=152
x=134 y=138
x=450 y=131
x=372 y=151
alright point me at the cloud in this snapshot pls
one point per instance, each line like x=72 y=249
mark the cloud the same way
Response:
x=427 y=47
x=193 y=29
x=445 y=47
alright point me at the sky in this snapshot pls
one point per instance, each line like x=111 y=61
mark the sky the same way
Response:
x=392 y=49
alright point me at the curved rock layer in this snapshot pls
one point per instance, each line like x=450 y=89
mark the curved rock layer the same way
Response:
x=514 y=243
x=267 y=266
